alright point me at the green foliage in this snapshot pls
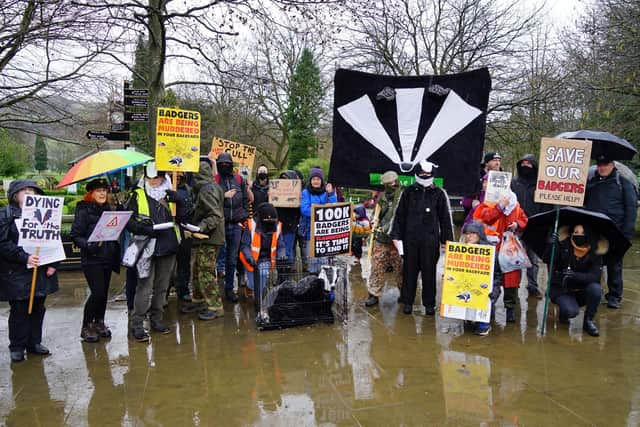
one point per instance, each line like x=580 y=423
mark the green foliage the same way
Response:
x=15 y=157
x=142 y=70
x=302 y=116
x=40 y=154
x=306 y=165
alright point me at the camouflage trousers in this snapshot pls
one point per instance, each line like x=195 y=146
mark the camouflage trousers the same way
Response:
x=383 y=255
x=204 y=281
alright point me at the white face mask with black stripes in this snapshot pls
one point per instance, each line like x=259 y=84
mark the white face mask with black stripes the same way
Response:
x=425 y=182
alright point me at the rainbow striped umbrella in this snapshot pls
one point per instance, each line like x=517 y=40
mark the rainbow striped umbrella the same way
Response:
x=101 y=163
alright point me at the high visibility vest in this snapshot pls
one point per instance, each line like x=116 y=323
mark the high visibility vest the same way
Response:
x=143 y=208
x=256 y=241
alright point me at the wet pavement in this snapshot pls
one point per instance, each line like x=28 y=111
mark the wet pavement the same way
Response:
x=380 y=367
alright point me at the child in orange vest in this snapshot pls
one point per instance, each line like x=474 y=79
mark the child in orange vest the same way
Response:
x=262 y=244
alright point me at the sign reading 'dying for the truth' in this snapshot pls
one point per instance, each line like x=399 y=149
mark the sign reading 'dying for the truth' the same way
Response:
x=331 y=229
x=562 y=176
x=40 y=222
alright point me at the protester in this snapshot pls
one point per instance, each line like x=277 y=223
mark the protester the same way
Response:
x=183 y=257
x=361 y=230
x=473 y=233
x=289 y=217
x=262 y=245
x=260 y=187
x=301 y=241
x=498 y=218
x=25 y=330
x=422 y=223
x=98 y=259
x=150 y=203
x=611 y=194
x=236 y=211
x=469 y=218
x=208 y=228
x=492 y=162
x=575 y=281
x=384 y=252
x=316 y=193
x=524 y=186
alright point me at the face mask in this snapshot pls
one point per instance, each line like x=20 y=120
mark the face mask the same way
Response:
x=579 y=240
x=268 y=225
x=263 y=176
x=225 y=169
x=425 y=182
x=527 y=172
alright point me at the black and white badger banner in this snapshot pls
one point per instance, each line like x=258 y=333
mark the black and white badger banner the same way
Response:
x=383 y=123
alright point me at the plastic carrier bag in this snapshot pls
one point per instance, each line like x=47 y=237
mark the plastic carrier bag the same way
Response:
x=512 y=255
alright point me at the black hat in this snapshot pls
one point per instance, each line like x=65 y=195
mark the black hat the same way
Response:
x=603 y=158
x=97 y=183
x=267 y=210
x=491 y=156
x=21 y=184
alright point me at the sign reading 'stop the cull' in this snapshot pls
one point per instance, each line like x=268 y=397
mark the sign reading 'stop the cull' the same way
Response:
x=562 y=175
x=330 y=229
x=41 y=220
x=178 y=140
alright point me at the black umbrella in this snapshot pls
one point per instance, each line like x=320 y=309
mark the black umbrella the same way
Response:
x=604 y=143
x=539 y=226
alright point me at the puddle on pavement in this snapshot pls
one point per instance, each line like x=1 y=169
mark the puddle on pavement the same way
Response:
x=380 y=368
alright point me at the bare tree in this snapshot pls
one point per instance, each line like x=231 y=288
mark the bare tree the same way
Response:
x=46 y=48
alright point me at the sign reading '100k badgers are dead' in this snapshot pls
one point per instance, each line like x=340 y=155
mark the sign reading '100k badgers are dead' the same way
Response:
x=562 y=175
x=330 y=229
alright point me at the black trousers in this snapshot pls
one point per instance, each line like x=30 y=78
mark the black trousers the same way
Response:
x=422 y=257
x=183 y=268
x=98 y=277
x=25 y=330
x=570 y=302
x=614 y=278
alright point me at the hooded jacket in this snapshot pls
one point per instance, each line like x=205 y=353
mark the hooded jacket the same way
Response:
x=388 y=202
x=236 y=208
x=524 y=185
x=15 y=277
x=311 y=196
x=260 y=193
x=478 y=228
x=106 y=253
x=209 y=211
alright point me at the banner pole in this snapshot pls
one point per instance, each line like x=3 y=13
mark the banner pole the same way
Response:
x=553 y=255
x=174 y=185
x=376 y=216
x=33 y=282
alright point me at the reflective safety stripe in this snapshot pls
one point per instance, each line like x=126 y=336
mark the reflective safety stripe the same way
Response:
x=143 y=209
x=256 y=242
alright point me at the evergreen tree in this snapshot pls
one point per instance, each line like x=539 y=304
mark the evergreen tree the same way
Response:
x=15 y=157
x=141 y=75
x=40 y=154
x=302 y=116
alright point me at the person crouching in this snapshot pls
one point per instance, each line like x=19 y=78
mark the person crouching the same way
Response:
x=98 y=259
x=576 y=275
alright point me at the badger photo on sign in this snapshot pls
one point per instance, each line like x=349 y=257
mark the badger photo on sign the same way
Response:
x=331 y=229
x=383 y=123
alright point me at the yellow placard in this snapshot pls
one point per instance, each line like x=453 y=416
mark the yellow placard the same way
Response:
x=468 y=276
x=563 y=171
x=243 y=155
x=177 y=140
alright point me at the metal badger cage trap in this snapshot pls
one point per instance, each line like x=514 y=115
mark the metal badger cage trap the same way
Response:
x=292 y=297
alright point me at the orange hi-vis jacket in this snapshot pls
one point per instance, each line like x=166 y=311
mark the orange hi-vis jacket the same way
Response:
x=256 y=241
